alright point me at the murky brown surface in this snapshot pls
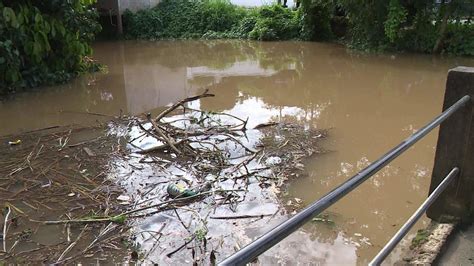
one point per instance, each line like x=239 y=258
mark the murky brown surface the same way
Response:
x=370 y=102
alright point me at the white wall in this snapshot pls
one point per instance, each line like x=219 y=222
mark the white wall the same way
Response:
x=290 y=3
x=133 y=5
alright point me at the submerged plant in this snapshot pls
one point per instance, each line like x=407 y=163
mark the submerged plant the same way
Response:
x=200 y=234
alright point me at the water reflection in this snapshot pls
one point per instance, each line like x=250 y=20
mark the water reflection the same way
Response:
x=369 y=103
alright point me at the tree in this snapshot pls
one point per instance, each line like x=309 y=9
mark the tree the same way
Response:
x=43 y=42
x=418 y=25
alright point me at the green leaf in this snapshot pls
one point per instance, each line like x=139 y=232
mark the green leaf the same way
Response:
x=47 y=27
x=61 y=29
x=81 y=49
x=8 y=14
x=15 y=24
x=120 y=219
x=12 y=75
x=53 y=31
x=37 y=49
x=2 y=60
x=20 y=18
x=29 y=47
x=45 y=40
x=38 y=18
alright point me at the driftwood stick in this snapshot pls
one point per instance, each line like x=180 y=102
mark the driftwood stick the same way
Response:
x=222 y=114
x=246 y=216
x=169 y=140
x=180 y=247
x=84 y=142
x=5 y=227
x=87 y=113
x=168 y=202
x=269 y=124
x=71 y=245
x=180 y=103
x=159 y=147
x=101 y=237
x=78 y=221
x=157 y=242
x=241 y=144
x=120 y=217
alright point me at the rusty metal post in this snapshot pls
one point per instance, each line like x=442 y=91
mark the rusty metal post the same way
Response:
x=455 y=148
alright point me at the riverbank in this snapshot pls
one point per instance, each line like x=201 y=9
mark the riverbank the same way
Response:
x=398 y=27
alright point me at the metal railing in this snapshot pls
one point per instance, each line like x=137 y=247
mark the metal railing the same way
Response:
x=378 y=259
x=274 y=236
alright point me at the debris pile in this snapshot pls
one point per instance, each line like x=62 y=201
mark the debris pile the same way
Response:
x=56 y=173
x=190 y=182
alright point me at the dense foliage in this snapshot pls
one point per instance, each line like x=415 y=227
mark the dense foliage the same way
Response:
x=413 y=25
x=44 y=42
x=316 y=19
x=213 y=19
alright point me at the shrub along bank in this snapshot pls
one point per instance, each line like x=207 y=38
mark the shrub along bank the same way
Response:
x=44 y=42
x=426 y=26
x=47 y=42
x=419 y=26
x=212 y=19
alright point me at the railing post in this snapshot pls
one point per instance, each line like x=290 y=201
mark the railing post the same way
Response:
x=455 y=148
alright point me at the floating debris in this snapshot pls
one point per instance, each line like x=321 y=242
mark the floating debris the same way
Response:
x=16 y=142
x=197 y=177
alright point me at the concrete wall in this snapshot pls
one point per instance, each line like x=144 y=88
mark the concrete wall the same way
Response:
x=133 y=5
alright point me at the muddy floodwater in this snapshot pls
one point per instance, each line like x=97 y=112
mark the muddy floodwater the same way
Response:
x=369 y=103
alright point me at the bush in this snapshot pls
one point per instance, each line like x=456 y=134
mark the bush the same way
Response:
x=411 y=25
x=422 y=37
x=275 y=23
x=44 y=42
x=212 y=19
x=172 y=19
x=316 y=18
x=460 y=39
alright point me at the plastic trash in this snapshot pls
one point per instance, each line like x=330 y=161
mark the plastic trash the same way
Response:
x=178 y=190
x=16 y=142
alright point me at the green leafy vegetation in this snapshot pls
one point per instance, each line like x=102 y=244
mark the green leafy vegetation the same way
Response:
x=47 y=42
x=275 y=23
x=316 y=18
x=419 y=26
x=213 y=19
x=420 y=238
x=400 y=25
x=324 y=218
x=200 y=234
x=182 y=19
x=44 y=42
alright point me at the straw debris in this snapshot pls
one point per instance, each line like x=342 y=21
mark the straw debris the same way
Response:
x=102 y=188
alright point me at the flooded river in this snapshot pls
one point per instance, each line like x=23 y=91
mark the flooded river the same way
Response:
x=369 y=103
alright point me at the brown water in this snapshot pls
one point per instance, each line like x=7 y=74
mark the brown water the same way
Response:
x=370 y=102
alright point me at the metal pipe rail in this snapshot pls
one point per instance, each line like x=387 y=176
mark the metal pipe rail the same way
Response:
x=274 y=236
x=379 y=258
